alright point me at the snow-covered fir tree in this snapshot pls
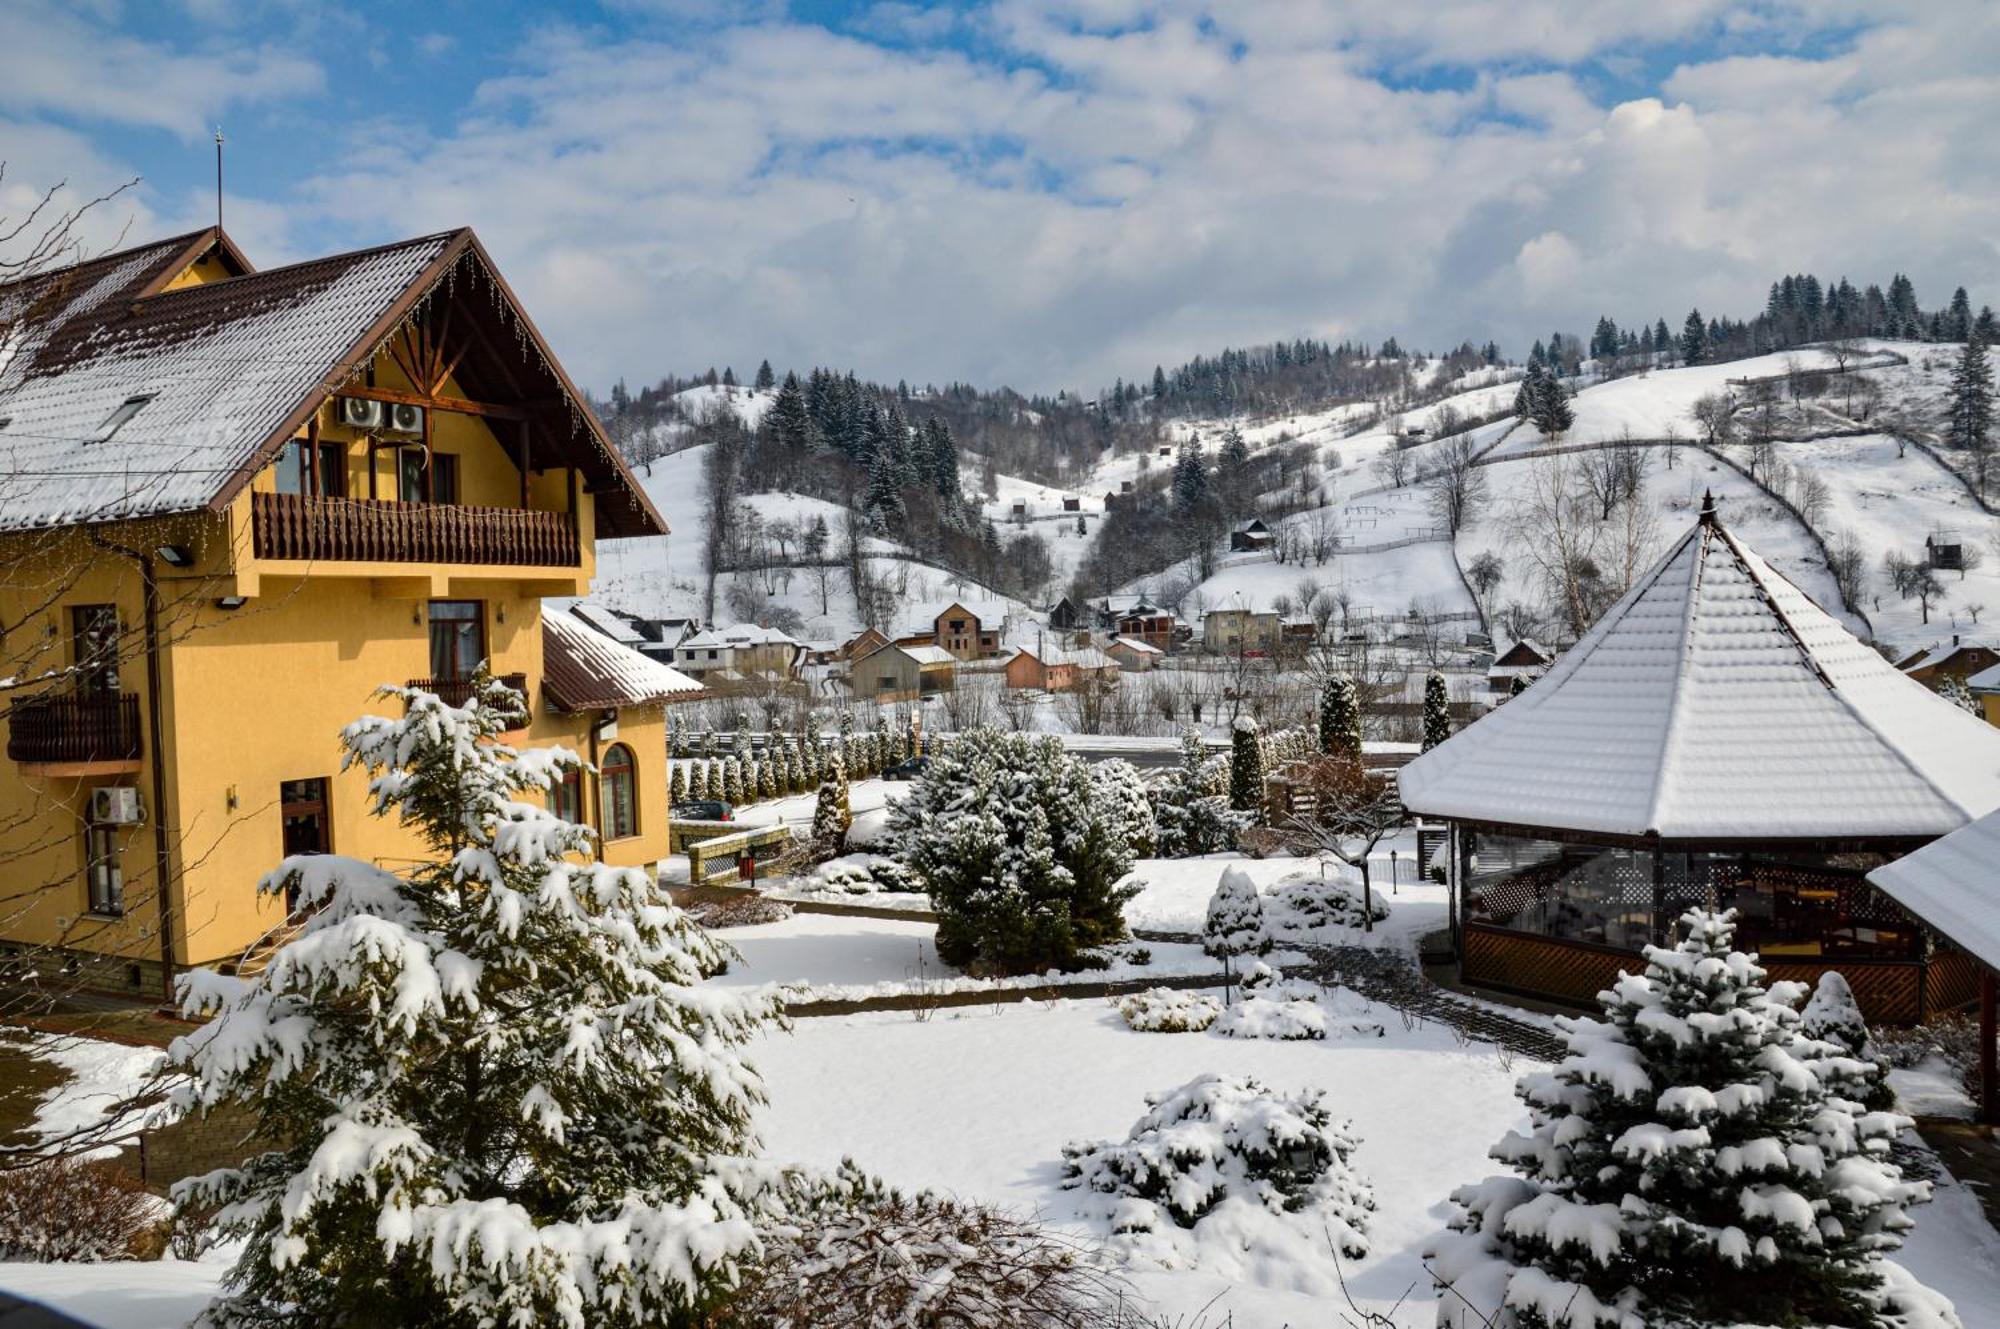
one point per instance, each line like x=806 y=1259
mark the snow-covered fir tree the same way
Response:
x=677 y=787
x=1234 y=924
x=1969 y=408
x=1695 y=1160
x=767 y=776
x=1121 y=794
x=1437 y=710
x=1020 y=854
x=1339 y=717
x=1953 y=689
x=1188 y=819
x=1832 y=1015
x=732 y=779
x=501 y=1094
x=832 y=815
x=1246 y=766
x=697 y=779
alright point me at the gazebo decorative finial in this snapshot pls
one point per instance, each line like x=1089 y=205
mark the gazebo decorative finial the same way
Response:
x=1707 y=508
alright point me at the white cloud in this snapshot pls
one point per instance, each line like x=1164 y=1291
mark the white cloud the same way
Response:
x=1132 y=181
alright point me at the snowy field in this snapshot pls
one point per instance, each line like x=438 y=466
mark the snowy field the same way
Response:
x=979 y=1101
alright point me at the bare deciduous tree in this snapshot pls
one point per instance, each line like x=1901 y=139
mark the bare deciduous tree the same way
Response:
x=1456 y=486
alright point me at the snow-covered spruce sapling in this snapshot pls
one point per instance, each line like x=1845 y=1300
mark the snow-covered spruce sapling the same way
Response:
x=1832 y=1015
x=1224 y=1148
x=1695 y=1159
x=677 y=789
x=1234 y=924
x=503 y=1092
x=1437 y=710
x=697 y=779
x=1188 y=819
x=1246 y=767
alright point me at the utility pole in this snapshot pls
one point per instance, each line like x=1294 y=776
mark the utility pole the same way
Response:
x=218 y=177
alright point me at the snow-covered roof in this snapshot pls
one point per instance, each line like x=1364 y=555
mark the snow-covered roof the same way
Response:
x=1949 y=884
x=582 y=669
x=1134 y=644
x=1716 y=701
x=990 y=613
x=607 y=621
x=122 y=398
x=923 y=655
x=1082 y=657
x=1986 y=680
x=739 y=636
x=1938 y=654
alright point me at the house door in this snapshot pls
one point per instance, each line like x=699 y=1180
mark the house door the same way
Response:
x=307 y=827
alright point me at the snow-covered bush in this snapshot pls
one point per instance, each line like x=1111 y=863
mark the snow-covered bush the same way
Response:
x=1304 y=909
x=72 y=1209
x=1694 y=1159
x=1190 y=817
x=505 y=1094
x=860 y=874
x=739 y=911
x=1231 y=1174
x=1832 y=1015
x=1122 y=795
x=1234 y=924
x=856 y=1255
x=1019 y=853
x=1292 y=1018
x=1169 y=1011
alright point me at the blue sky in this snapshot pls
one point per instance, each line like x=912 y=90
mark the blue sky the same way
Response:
x=1043 y=192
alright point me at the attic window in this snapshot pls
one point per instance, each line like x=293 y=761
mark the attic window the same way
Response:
x=115 y=421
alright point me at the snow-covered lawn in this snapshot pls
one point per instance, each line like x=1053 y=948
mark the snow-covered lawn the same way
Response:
x=1173 y=895
x=839 y=958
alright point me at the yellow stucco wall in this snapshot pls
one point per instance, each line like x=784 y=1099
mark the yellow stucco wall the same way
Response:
x=255 y=695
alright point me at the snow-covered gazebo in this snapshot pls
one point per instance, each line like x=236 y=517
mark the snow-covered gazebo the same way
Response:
x=1718 y=739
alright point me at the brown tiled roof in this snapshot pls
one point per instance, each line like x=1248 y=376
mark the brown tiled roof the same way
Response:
x=584 y=670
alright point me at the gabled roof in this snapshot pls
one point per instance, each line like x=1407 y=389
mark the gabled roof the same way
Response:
x=1082 y=657
x=229 y=370
x=584 y=670
x=1938 y=654
x=1133 y=644
x=1716 y=701
x=738 y=637
x=607 y=621
x=923 y=655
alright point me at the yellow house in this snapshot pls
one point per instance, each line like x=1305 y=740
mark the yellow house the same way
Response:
x=234 y=503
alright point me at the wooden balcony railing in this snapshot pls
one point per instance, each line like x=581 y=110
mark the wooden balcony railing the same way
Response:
x=376 y=530
x=51 y=729
x=458 y=691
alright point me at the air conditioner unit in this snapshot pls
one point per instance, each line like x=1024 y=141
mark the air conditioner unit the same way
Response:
x=360 y=413
x=405 y=419
x=116 y=805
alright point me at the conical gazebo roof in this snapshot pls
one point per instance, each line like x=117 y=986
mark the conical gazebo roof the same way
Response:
x=1715 y=701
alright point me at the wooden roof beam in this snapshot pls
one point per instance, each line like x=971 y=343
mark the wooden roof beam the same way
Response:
x=458 y=405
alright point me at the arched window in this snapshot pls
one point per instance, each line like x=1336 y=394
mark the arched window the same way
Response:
x=620 y=779
x=566 y=799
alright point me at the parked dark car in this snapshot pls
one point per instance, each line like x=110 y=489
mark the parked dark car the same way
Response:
x=913 y=769
x=702 y=809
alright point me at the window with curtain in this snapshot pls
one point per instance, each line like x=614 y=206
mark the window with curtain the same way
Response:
x=620 y=780
x=566 y=799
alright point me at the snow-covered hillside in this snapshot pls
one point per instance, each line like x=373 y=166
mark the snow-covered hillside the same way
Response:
x=1873 y=492
x=662 y=576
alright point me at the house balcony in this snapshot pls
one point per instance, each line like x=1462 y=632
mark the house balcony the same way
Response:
x=458 y=691
x=70 y=735
x=361 y=530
